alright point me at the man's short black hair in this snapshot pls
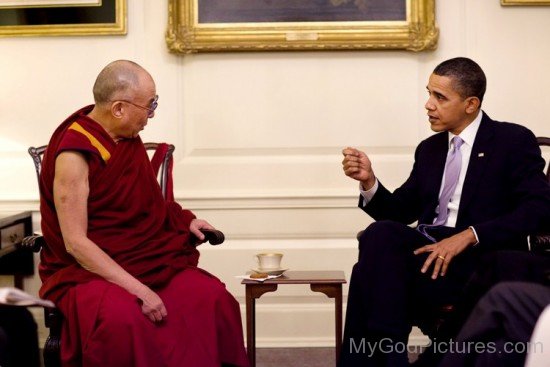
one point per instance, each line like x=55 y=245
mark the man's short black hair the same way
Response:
x=468 y=77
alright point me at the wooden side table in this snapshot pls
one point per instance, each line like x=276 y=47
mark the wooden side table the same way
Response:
x=326 y=281
x=14 y=260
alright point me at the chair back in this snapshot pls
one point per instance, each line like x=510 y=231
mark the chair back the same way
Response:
x=545 y=142
x=38 y=152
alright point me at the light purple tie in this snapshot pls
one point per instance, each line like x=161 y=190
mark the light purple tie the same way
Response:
x=452 y=171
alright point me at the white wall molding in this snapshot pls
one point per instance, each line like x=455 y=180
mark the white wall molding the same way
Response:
x=259 y=135
x=229 y=201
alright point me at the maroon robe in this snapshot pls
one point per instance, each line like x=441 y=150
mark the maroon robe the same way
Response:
x=148 y=236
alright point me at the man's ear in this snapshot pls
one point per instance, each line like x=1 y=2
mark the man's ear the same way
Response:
x=472 y=104
x=117 y=109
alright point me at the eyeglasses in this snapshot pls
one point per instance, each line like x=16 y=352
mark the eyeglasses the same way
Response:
x=151 y=109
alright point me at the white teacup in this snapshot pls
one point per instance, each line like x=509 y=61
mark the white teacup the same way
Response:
x=269 y=261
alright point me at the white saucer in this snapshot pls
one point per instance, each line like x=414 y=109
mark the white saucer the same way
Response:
x=270 y=272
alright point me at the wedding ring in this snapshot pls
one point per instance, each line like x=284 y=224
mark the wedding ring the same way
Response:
x=441 y=257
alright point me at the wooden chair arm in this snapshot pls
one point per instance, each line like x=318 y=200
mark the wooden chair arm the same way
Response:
x=33 y=243
x=213 y=236
x=36 y=242
x=540 y=243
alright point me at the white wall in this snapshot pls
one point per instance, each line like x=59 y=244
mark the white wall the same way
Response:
x=259 y=135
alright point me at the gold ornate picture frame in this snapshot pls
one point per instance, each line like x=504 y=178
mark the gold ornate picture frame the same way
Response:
x=285 y=25
x=66 y=18
x=525 y=2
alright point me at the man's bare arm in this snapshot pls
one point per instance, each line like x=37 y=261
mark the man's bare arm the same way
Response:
x=71 y=191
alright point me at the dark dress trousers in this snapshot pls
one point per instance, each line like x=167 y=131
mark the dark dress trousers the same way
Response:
x=505 y=197
x=499 y=329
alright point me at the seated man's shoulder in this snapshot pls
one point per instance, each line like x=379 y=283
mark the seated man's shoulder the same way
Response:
x=511 y=128
x=75 y=141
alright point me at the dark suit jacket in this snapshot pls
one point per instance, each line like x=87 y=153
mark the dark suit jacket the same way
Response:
x=505 y=197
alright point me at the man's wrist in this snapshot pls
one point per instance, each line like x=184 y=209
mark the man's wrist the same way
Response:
x=368 y=184
x=368 y=194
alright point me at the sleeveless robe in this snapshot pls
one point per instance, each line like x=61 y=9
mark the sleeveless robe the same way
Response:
x=149 y=237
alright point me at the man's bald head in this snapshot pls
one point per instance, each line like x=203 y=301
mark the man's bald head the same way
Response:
x=118 y=80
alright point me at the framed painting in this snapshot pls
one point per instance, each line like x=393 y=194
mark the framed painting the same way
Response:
x=269 y=25
x=525 y=2
x=62 y=17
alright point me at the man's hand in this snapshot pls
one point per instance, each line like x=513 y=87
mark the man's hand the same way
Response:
x=444 y=251
x=152 y=305
x=195 y=227
x=357 y=165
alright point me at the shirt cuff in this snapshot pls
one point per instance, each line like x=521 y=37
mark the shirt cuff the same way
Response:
x=369 y=194
x=475 y=234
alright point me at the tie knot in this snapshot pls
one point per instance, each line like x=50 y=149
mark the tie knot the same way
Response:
x=457 y=142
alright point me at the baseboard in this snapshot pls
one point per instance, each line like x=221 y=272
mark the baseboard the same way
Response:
x=415 y=339
x=302 y=324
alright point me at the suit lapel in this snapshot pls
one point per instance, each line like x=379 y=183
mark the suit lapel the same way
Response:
x=481 y=153
x=434 y=174
x=440 y=152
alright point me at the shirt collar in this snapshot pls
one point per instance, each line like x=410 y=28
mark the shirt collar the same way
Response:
x=468 y=135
